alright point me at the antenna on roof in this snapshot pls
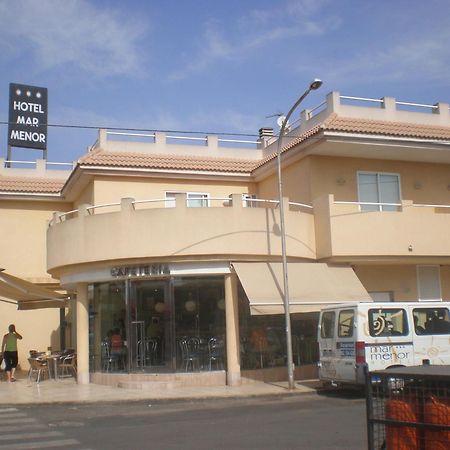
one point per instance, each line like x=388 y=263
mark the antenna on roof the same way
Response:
x=280 y=121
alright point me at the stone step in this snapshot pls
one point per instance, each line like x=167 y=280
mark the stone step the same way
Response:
x=150 y=385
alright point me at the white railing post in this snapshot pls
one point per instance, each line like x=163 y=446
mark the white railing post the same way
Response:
x=212 y=141
x=236 y=201
x=333 y=102
x=181 y=201
x=160 y=138
x=126 y=204
x=102 y=138
x=83 y=210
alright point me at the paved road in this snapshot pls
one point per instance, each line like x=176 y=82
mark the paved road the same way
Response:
x=294 y=422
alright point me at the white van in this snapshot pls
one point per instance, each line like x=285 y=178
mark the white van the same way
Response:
x=378 y=336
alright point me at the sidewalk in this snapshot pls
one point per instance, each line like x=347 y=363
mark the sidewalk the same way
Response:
x=23 y=392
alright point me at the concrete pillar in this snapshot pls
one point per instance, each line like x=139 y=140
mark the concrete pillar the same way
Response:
x=102 y=138
x=160 y=138
x=232 y=330
x=212 y=141
x=333 y=102
x=41 y=166
x=82 y=334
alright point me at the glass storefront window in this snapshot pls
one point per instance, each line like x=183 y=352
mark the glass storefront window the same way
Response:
x=169 y=325
x=263 y=338
x=199 y=307
x=107 y=327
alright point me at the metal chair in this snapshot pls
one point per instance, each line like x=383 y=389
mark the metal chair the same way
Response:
x=110 y=362
x=151 y=350
x=215 y=353
x=68 y=366
x=38 y=367
x=190 y=353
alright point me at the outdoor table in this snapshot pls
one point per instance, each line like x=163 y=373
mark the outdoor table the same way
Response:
x=53 y=368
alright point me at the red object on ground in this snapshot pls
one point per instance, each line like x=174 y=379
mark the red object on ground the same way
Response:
x=401 y=437
x=437 y=411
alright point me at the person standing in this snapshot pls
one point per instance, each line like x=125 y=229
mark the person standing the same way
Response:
x=9 y=349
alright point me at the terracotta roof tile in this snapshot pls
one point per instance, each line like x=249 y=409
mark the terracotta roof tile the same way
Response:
x=386 y=128
x=367 y=126
x=167 y=162
x=30 y=185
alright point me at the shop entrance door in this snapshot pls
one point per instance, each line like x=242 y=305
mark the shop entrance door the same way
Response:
x=150 y=349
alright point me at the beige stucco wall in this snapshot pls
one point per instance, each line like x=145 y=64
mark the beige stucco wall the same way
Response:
x=107 y=190
x=399 y=279
x=86 y=196
x=23 y=226
x=344 y=231
x=314 y=176
x=296 y=183
x=420 y=182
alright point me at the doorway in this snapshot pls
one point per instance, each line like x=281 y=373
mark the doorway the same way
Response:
x=150 y=326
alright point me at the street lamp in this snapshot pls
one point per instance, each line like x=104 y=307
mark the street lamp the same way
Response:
x=315 y=84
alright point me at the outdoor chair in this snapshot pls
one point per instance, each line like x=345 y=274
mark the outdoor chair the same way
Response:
x=38 y=367
x=68 y=366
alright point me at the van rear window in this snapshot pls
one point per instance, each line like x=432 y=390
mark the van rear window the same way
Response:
x=327 y=324
x=345 y=323
x=388 y=322
x=431 y=321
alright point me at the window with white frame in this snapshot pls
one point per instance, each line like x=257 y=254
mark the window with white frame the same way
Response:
x=194 y=199
x=378 y=191
x=429 y=283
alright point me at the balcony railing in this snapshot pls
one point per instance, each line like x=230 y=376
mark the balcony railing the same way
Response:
x=148 y=229
x=170 y=202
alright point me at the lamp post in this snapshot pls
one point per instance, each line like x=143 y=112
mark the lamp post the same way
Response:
x=315 y=84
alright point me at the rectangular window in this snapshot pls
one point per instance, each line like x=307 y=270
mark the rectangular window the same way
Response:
x=431 y=321
x=345 y=323
x=194 y=199
x=327 y=324
x=378 y=191
x=197 y=200
x=429 y=283
x=388 y=322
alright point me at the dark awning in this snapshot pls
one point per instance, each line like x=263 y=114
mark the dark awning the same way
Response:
x=311 y=286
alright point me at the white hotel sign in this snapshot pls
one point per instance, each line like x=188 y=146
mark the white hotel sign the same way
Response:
x=27 y=116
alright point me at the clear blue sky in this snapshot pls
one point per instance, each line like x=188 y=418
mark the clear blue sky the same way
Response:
x=213 y=65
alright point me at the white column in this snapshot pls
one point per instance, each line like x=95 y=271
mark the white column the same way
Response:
x=232 y=330
x=82 y=334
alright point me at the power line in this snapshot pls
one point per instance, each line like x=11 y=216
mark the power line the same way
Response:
x=154 y=130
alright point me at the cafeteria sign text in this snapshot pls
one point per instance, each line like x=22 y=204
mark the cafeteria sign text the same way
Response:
x=27 y=116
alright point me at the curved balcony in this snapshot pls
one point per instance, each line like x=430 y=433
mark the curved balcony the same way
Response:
x=346 y=233
x=131 y=229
